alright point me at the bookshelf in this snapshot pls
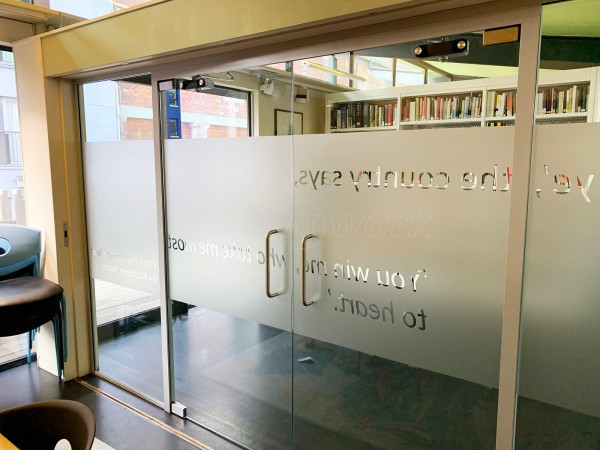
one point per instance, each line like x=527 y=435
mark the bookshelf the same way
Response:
x=442 y=108
x=568 y=96
x=363 y=111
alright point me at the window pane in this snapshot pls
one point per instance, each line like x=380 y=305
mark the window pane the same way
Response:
x=216 y=112
x=375 y=72
x=408 y=74
x=12 y=193
x=118 y=111
x=334 y=69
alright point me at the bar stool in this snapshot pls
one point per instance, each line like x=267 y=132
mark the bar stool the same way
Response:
x=27 y=301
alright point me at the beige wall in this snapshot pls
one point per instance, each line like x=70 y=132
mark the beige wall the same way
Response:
x=45 y=140
x=12 y=30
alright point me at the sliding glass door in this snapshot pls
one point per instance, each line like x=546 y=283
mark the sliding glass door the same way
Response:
x=401 y=223
x=228 y=204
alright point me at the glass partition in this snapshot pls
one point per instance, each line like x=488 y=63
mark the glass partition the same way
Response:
x=120 y=195
x=559 y=387
x=400 y=234
x=337 y=234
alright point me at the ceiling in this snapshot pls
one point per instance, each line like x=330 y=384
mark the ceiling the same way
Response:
x=572 y=18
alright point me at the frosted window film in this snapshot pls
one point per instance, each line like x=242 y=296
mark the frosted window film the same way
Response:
x=223 y=197
x=560 y=359
x=121 y=213
x=411 y=251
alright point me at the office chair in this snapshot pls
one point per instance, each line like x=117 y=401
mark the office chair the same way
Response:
x=27 y=301
x=39 y=426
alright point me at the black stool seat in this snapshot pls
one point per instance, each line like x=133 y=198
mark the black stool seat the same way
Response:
x=27 y=303
x=18 y=291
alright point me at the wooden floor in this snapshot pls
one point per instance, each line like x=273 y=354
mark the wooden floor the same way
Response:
x=113 y=302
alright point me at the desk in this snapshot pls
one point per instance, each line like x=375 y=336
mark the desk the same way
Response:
x=5 y=444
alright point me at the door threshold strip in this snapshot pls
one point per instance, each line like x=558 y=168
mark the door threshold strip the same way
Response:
x=144 y=415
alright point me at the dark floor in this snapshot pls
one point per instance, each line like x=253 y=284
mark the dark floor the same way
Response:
x=236 y=376
x=118 y=426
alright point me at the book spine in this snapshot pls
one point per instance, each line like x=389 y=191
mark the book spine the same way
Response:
x=365 y=116
x=489 y=106
x=372 y=122
x=333 y=119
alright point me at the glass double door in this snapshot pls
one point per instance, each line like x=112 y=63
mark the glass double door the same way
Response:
x=337 y=236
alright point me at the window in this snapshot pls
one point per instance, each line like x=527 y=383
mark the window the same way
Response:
x=12 y=193
x=215 y=112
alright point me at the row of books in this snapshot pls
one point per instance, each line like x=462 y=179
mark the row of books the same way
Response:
x=362 y=115
x=441 y=108
x=501 y=104
x=563 y=100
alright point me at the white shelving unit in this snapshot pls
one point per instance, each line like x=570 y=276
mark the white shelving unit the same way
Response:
x=378 y=98
x=501 y=91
